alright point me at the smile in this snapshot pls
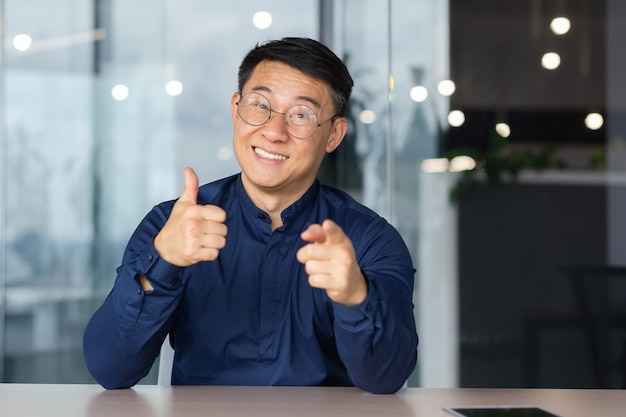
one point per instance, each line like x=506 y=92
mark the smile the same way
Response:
x=267 y=155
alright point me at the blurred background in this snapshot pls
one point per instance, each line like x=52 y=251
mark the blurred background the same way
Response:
x=491 y=133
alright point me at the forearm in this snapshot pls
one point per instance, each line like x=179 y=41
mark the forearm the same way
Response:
x=377 y=343
x=110 y=353
x=124 y=336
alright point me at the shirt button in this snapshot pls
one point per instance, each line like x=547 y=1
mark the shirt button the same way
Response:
x=368 y=307
x=261 y=216
x=149 y=258
x=139 y=291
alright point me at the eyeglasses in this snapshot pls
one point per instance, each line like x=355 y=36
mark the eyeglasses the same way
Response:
x=300 y=121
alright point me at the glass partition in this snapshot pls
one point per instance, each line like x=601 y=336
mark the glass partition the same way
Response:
x=105 y=103
x=398 y=54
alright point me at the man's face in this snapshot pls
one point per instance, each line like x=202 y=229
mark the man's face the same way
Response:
x=272 y=160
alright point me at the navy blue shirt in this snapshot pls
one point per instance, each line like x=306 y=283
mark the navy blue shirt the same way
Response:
x=250 y=317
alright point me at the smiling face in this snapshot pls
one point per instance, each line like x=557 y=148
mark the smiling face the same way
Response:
x=275 y=165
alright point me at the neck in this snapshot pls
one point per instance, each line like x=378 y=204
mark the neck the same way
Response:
x=271 y=201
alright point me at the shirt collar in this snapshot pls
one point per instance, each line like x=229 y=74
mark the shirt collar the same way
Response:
x=290 y=213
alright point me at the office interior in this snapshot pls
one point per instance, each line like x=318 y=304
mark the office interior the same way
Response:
x=491 y=133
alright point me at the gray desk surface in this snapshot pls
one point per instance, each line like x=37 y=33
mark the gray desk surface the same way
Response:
x=27 y=400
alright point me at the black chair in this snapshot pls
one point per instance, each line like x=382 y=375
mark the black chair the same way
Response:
x=600 y=295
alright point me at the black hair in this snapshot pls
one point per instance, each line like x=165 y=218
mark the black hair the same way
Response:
x=307 y=55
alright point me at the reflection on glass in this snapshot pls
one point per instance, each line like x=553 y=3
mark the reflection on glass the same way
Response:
x=367 y=117
x=433 y=165
x=120 y=92
x=262 y=20
x=174 y=88
x=22 y=42
x=419 y=93
x=462 y=163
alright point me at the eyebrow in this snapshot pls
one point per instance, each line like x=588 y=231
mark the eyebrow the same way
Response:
x=310 y=100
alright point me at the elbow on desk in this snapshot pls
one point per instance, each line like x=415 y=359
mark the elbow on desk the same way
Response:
x=99 y=364
x=386 y=387
x=105 y=374
x=383 y=390
x=393 y=378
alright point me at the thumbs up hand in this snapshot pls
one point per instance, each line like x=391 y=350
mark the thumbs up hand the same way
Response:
x=193 y=233
x=330 y=261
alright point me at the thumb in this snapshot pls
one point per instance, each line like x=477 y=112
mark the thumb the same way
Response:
x=190 y=192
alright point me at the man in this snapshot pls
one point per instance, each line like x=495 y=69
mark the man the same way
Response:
x=266 y=277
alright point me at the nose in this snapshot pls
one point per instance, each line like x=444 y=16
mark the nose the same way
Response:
x=276 y=127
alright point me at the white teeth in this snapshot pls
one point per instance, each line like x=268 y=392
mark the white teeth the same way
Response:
x=268 y=155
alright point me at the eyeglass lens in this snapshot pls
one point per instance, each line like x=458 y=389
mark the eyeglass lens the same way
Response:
x=255 y=109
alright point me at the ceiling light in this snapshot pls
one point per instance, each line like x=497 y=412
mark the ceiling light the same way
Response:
x=594 y=121
x=503 y=129
x=551 y=60
x=456 y=118
x=446 y=87
x=560 y=25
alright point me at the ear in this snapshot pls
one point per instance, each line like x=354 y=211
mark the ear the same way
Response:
x=233 y=106
x=338 y=132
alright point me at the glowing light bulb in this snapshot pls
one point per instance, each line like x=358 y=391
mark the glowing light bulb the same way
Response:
x=456 y=118
x=551 y=60
x=594 y=121
x=503 y=129
x=560 y=25
x=446 y=87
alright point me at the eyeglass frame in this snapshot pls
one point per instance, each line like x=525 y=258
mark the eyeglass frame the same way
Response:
x=284 y=114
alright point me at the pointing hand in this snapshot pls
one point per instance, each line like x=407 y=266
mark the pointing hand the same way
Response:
x=330 y=261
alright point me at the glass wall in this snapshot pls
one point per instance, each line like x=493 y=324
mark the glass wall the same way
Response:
x=104 y=102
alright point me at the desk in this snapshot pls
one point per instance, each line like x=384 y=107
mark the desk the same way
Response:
x=28 y=400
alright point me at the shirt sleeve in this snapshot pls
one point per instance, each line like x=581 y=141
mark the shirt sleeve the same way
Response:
x=377 y=340
x=124 y=336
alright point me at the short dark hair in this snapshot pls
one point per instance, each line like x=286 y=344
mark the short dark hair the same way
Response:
x=307 y=55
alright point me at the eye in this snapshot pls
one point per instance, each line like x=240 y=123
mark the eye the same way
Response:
x=256 y=102
x=302 y=115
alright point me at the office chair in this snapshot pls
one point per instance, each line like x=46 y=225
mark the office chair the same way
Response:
x=600 y=301
x=166 y=360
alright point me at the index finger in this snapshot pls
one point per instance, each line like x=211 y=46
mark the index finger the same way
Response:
x=314 y=234
x=334 y=234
